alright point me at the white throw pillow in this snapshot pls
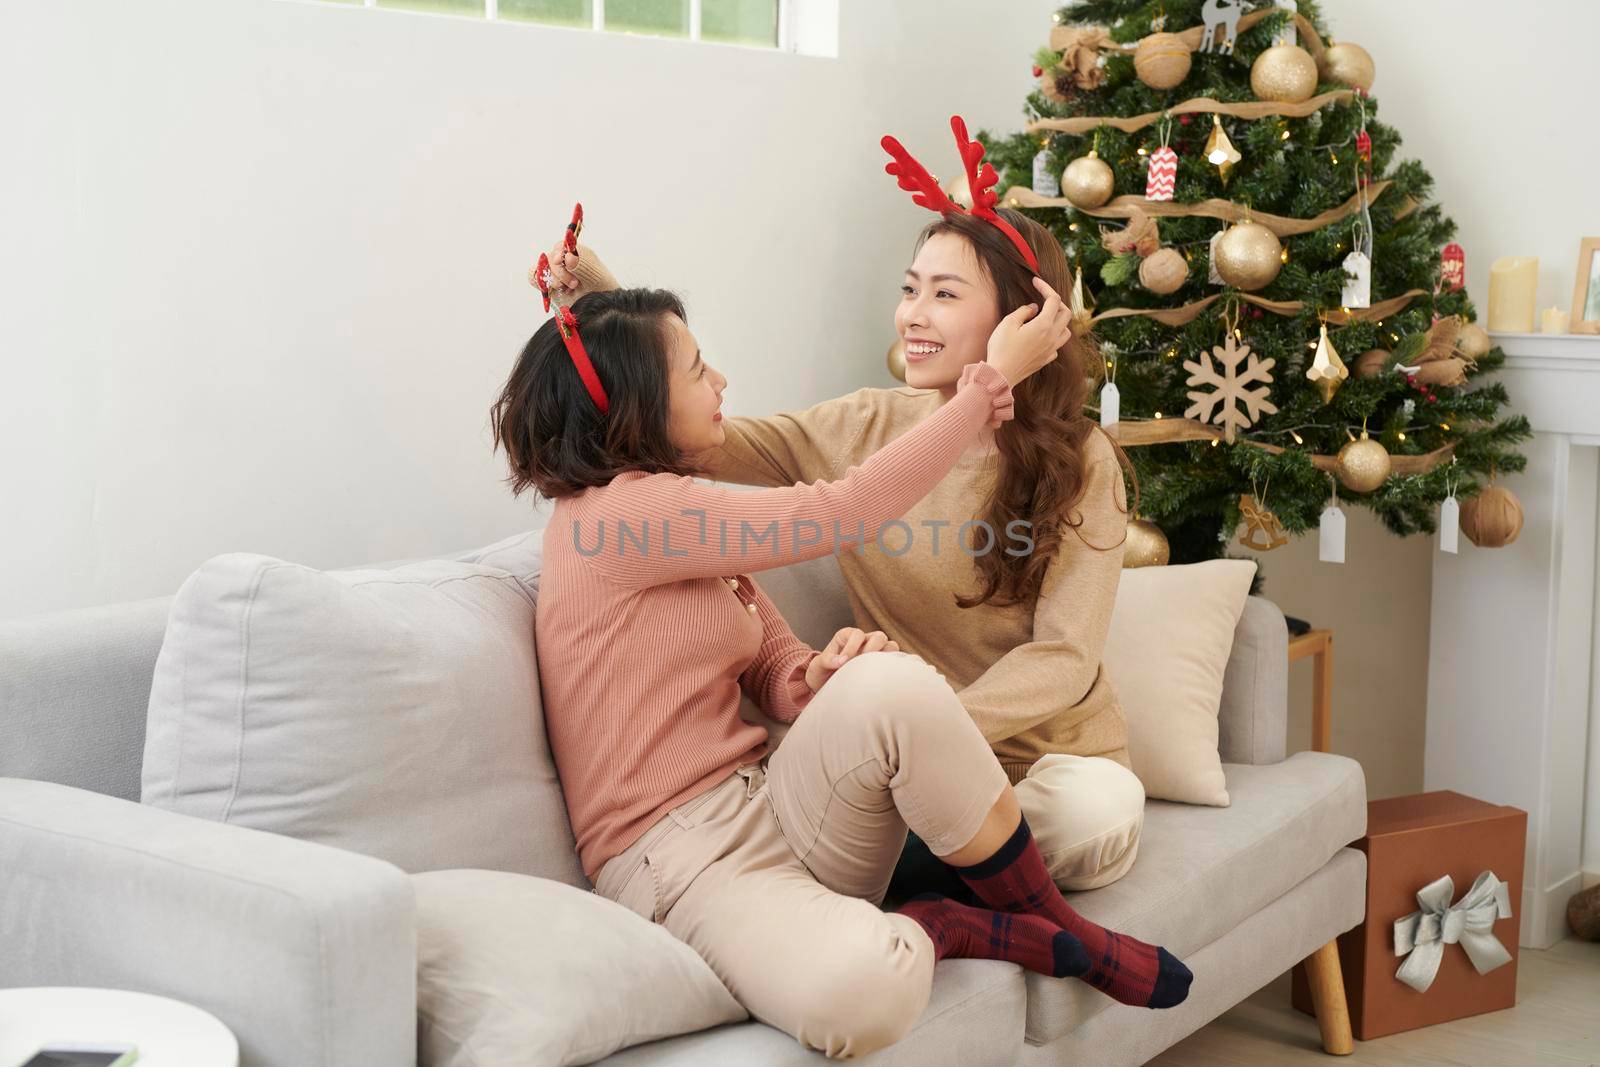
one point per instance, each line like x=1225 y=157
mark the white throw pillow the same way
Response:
x=390 y=712
x=1166 y=652
x=514 y=971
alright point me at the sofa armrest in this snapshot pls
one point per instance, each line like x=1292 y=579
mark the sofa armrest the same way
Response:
x=1253 y=721
x=307 y=953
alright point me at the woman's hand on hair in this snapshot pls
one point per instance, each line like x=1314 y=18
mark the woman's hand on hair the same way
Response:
x=847 y=644
x=575 y=274
x=1031 y=336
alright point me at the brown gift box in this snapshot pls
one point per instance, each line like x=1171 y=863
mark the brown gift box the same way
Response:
x=1410 y=842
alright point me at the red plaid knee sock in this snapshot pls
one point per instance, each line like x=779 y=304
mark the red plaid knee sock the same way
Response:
x=1015 y=879
x=963 y=932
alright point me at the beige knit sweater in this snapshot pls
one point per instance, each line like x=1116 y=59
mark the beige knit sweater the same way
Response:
x=1031 y=677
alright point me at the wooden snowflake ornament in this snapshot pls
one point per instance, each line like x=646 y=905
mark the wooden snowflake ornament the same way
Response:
x=1233 y=387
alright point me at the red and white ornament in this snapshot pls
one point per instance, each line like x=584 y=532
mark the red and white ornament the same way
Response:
x=1162 y=176
x=1452 y=268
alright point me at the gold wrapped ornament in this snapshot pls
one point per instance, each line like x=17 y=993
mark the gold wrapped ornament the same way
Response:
x=1088 y=181
x=1327 y=371
x=897 y=359
x=1493 y=518
x=1372 y=363
x=1363 y=464
x=1162 y=61
x=1349 y=64
x=1473 y=342
x=1284 y=73
x=1249 y=256
x=1146 y=545
x=1164 y=271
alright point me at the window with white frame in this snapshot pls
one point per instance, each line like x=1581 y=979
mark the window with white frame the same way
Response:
x=803 y=26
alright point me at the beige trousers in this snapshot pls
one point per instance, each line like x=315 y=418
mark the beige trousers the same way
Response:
x=775 y=876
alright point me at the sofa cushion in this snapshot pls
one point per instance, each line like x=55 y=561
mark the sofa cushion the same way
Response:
x=514 y=970
x=973 y=1019
x=394 y=713
x=1167 y=653
x=1202 y=870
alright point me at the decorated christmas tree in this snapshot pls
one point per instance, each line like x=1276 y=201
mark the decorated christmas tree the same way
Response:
x=1280 y=306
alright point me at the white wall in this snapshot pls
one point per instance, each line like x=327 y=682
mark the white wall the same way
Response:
x=264 y=262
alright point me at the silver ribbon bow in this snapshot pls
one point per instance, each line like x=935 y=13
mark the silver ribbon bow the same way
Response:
x=1469 y=922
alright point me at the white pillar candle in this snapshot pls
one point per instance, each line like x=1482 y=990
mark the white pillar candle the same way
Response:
x=1512 y=284
x=1555 y=321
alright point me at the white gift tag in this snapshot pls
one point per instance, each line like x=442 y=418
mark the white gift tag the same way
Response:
x=1449 y=524
x=1357 y=281
x=1044 y=181
x=1110 y=404
x=1331 y=527
x=1214 y=278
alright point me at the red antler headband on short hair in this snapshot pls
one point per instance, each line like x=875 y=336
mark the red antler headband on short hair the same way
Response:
x=925 y=191
x=566 y=322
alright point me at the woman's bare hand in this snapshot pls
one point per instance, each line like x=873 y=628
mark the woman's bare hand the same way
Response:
x=847 y=644
x=1031 y=336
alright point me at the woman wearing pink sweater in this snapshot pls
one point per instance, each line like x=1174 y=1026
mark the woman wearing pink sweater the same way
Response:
x=771 y=865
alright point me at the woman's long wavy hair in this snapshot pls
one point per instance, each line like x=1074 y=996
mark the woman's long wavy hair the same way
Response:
x=1041 y=474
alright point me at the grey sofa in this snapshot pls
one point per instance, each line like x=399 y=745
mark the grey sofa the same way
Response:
x=307 y=952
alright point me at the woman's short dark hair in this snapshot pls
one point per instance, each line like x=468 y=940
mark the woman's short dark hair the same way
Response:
x=556 y=439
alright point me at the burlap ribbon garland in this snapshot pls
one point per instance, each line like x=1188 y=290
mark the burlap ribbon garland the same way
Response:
x=1182 y=316
x=1309 y=37
x=1124 y=207
x=1252 y=109
x=1131 y=433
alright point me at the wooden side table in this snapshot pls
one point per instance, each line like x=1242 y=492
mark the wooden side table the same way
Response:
x=1318 y=644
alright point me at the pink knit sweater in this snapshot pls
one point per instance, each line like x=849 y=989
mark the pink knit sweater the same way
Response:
x=648 y=627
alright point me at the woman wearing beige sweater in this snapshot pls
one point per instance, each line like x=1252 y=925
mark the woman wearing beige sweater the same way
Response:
x=1005 y=575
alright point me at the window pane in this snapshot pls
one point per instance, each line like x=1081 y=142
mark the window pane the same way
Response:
x=558 y=12
x=447 y=7
x=664 y=18
x=740 y=21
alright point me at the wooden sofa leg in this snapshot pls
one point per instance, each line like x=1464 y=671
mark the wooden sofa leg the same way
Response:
x=1326 y=980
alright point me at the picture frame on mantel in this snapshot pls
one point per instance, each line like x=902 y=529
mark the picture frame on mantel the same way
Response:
x=1586 y=292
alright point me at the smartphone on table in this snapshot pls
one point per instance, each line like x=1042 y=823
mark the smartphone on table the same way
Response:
x=66 y=1054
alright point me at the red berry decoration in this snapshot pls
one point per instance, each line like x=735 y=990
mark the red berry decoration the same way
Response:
x=1037 y=70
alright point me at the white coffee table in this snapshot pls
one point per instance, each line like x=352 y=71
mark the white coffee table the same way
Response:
x=167 y=1033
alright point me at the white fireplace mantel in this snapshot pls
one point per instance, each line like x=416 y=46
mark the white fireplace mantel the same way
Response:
x=1511 y=652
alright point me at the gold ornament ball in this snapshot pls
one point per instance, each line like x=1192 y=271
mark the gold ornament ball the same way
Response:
x=1249 y=256
x=1492 y=519
x=1285 y=73
x=1162 y=61
x=1349 y=64
x=959 y=190
x=1363 y=465
x=1372 y=363
x=1146 y=545
x=1473 y=342
x=1163 y=271
x=897 y=359
x=1088 y=181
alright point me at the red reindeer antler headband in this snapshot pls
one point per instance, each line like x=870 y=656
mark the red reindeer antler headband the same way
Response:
x=925 y=191
x=566 y=322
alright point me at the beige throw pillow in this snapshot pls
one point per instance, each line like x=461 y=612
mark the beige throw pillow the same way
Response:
x=513 y=971
x=1166 y=652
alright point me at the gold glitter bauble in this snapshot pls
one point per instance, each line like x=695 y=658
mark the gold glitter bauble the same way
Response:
x=1372 y=363
x=897 y=359
x=1146 y=545
x=1285 y=73
x=1088 y=181
x=1363 y=465
x=1162 y=60
x=1492 y=519
x=959 y=190
x=1473 y=342
x=1164 y=271
x=1249 y=256
x=1349 y=64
